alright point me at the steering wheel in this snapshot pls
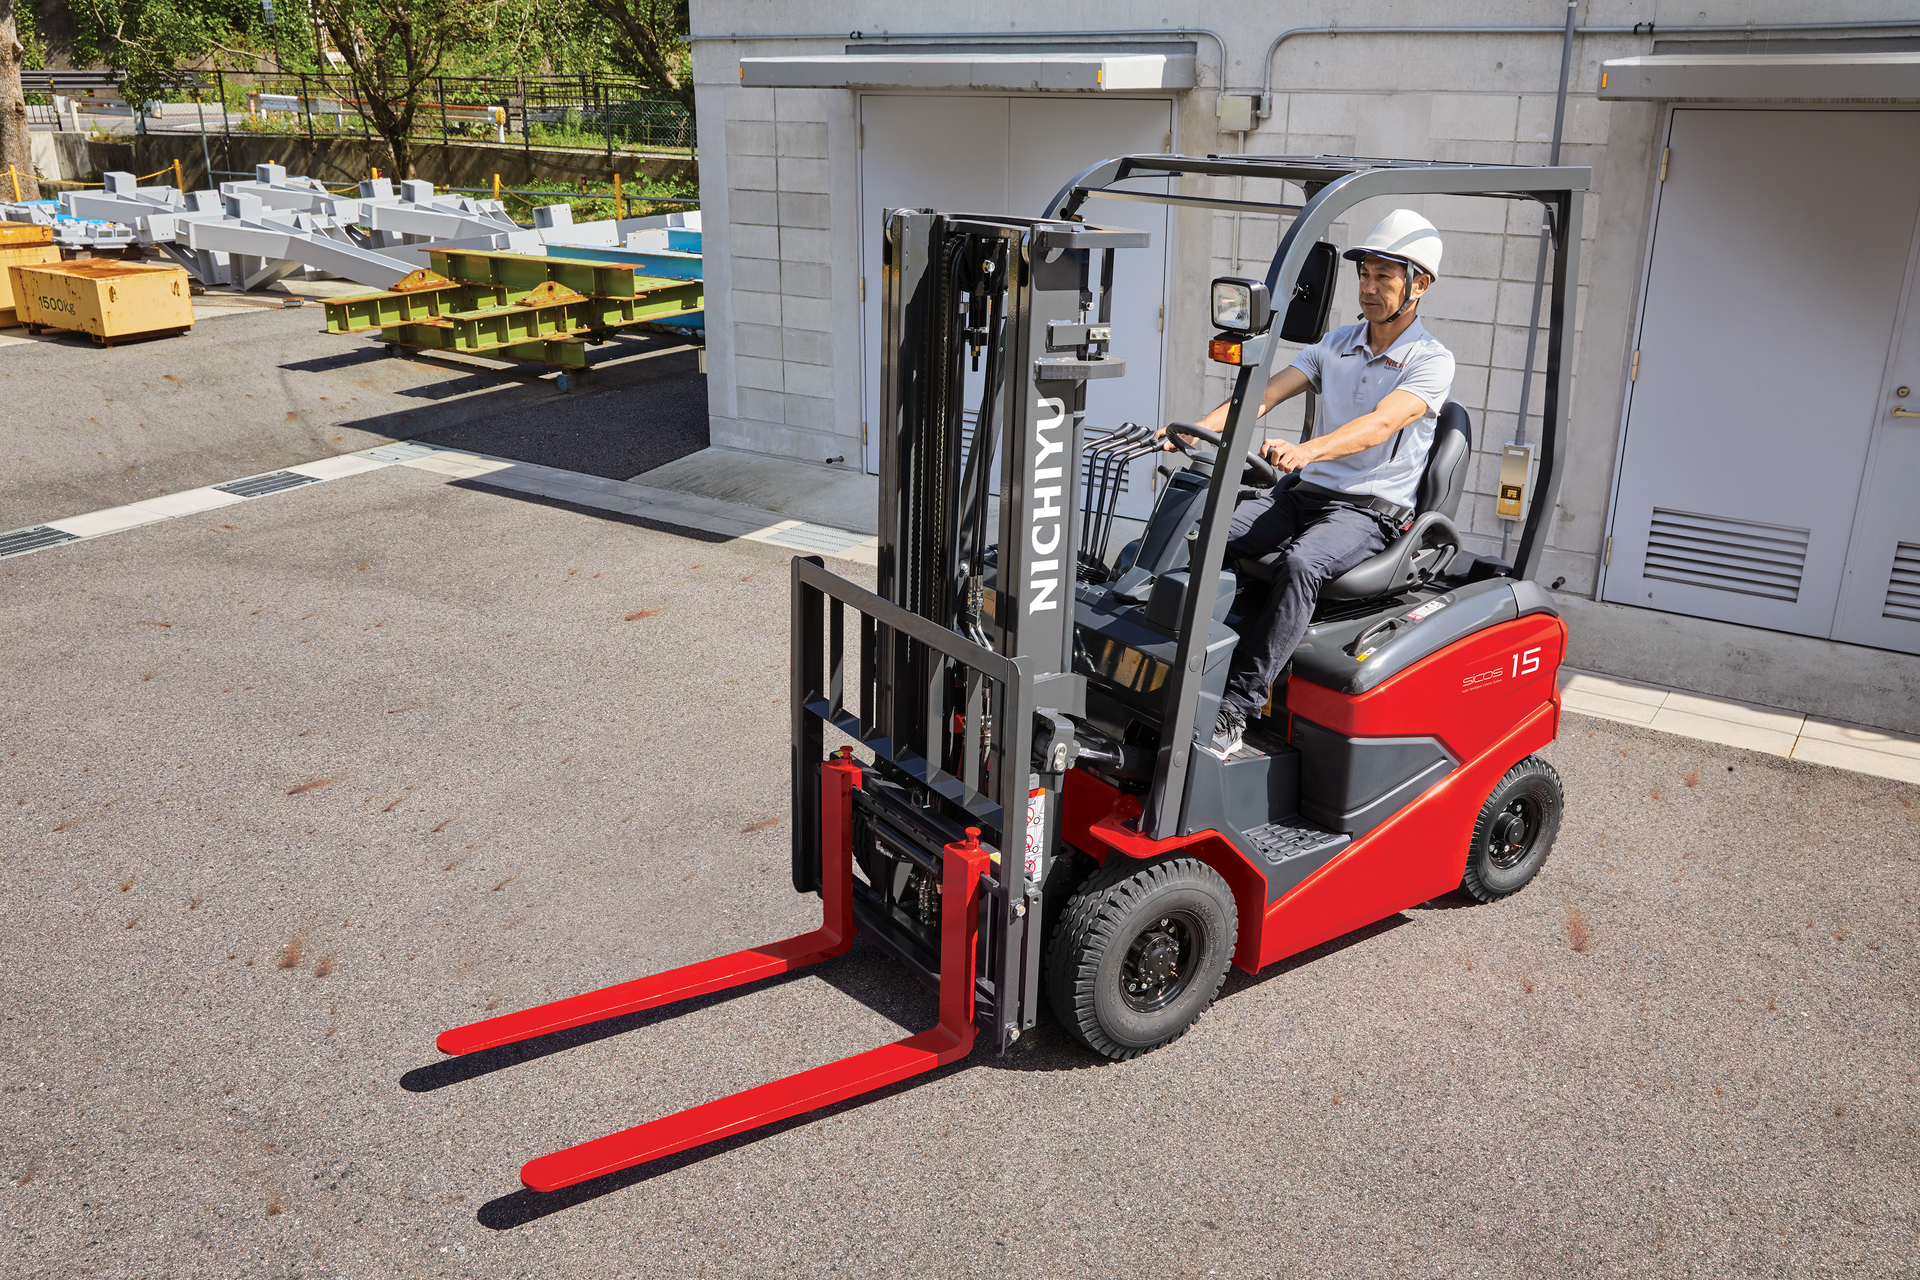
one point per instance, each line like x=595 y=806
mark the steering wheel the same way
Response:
x=1260 y=472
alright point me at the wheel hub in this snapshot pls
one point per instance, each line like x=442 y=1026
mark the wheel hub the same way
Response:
x=1159 y=962
x=1511 y=835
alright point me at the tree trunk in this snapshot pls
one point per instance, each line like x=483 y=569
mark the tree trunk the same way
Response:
x=401 y=144
x=15 y=149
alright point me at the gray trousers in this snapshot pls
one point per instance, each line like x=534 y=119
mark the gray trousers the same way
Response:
x=1327 y=540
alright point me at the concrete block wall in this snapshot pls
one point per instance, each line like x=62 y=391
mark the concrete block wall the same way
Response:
x=1481 y=306
x=790 y=307
x=784 y=328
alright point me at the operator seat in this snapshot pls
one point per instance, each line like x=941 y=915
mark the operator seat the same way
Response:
x=1429 y=544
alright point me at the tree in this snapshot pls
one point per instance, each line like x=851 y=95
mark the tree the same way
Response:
x=151 y=42
x=393 y=47
x=15 y=148
x=654 y=33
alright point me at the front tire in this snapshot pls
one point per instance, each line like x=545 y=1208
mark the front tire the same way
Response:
x=1140 y=952
x=1515 y=831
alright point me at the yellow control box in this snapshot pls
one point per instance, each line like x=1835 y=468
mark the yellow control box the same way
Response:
x=1516 y=468
x=110 y=301
x=22 y=244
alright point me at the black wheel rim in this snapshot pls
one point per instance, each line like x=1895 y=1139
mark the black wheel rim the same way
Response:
x=1510 y=835
x=1160 y=961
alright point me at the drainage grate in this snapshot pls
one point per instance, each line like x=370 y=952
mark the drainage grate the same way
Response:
x=1903 y=586
x=402 y=451
x=1725 y=554
x=258 y=486
x=21 y=541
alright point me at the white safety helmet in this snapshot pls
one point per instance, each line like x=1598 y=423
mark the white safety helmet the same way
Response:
x=1403 y=236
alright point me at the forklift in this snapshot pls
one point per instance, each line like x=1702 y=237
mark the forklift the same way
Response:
x=1027 y=809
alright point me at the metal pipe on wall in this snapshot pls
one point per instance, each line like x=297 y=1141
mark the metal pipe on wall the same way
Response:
x=1647 y=29
x=1540 y=262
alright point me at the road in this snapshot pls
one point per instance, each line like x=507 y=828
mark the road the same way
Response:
x=293 y=786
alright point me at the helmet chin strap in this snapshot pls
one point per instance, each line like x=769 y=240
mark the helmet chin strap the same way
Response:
x=1406 y=302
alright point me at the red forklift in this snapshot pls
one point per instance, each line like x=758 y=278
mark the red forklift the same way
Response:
x=1026 y=807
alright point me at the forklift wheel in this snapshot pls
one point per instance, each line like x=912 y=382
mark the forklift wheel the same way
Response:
x=1515 y=831
x=1140 y=952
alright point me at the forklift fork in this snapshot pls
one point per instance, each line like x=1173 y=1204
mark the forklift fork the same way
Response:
x=962 y=866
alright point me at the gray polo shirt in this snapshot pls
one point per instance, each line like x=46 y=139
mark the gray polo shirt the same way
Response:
x=1351 y=381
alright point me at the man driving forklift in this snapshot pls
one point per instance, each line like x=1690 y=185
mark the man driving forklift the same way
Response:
x=1385 y=381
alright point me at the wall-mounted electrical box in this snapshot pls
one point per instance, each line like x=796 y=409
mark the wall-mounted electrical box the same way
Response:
x=1516 y=472
x=1235 y=111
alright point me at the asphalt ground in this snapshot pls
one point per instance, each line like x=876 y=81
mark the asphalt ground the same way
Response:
x=292 y=786
x=255 y=387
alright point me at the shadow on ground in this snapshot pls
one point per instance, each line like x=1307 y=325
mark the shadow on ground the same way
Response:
x=642 y=403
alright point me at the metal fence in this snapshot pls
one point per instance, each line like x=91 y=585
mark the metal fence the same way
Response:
x=582 y=112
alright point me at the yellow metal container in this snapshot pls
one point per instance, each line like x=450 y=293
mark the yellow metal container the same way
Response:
x=22 y=244
x=110 y=301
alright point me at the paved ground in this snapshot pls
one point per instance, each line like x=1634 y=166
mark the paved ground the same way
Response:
x=253 y=388
x=293 y=786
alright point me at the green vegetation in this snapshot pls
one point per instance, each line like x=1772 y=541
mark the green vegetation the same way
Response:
x=594 y=200
x=390 y=51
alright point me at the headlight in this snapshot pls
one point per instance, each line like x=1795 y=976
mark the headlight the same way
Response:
x=1241 y=306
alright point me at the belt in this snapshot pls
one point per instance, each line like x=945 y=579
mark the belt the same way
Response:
x=1366 y=502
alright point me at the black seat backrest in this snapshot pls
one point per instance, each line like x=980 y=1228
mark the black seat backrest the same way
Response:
x=1447 y=462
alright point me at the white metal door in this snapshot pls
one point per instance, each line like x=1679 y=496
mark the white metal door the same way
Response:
x=919 y=151
x=1880 y=600
x=1779 y=259
x=1051 y=140
x=982 y=154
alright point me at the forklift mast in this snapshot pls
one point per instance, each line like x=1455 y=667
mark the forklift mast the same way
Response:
x=991 y=329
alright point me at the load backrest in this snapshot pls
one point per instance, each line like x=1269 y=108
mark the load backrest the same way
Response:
x=1447 y=461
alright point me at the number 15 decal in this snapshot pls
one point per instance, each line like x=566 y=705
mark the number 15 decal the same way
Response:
x=1525 y=664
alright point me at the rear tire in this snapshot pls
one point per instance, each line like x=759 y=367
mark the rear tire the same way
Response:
x=1140 y=952
x=1515 y=831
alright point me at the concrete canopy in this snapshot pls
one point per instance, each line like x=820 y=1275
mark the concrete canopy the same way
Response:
x=1058 y=72
x=1789 y=77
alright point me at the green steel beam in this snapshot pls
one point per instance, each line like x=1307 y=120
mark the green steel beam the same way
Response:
x=502 y=326
x=551 y=347
x=523 y=271
x=363 y=312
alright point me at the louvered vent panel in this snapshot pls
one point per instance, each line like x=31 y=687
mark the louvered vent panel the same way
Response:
x=1742 y=556
x=1903 y=588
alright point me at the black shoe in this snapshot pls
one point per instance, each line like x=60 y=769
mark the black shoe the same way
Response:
x=1228 y=727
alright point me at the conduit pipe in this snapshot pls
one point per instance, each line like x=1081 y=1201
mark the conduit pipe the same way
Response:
x=1540 y=262
x=1647 y=29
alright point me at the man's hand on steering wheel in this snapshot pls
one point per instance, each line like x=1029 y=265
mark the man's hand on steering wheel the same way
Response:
x=1286 y=456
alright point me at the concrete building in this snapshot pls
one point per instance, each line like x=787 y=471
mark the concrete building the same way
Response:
x=1739 y=514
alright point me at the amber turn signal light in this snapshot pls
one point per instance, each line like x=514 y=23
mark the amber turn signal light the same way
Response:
x=1226 y=349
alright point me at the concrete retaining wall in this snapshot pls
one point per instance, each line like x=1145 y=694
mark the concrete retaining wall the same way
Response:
x=59 y=155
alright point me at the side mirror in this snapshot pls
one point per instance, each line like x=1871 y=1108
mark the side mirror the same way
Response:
x=1312 y=301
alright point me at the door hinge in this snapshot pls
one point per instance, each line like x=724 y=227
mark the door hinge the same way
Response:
x=1163 y=318
x=1633 y=370
x=1169 y=147
x=1605 y=559
x=863 y=288
x=863 y=435
x=860 y=136
x=1666 y=153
